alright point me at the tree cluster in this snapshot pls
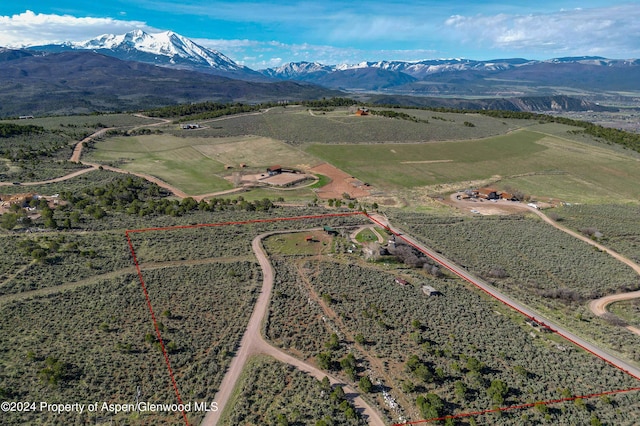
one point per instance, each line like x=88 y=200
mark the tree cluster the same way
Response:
x=397 y=115
x=9 y=129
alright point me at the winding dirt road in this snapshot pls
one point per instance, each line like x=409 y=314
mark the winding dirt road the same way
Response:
x=253 y=343
x=598 y=306
x=524 y=310
x=58 y=179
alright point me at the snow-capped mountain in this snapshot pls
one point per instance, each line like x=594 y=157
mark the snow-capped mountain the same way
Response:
x=298 y=70
x=466 y=76
x=416 y=69
x=177 y=48
x=164 y=49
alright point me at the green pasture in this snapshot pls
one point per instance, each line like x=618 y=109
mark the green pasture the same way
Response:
x=180 y=165
x=295 y=244
x=196 y=164
x=531 y=161
x=411 y=165
x=297 y=126
x=366 y=236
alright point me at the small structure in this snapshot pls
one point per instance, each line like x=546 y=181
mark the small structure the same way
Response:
x=190 y=126
x=243 y=165
x=309 y=239
x=537 y=326
x=488 y=193
x=400 y=281
x=329 y=230
x=507 y=196
x=362 y=111
x=430 y=291
x=274 y=170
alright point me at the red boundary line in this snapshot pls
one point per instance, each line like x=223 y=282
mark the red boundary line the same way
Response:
x=462 y=415
x=518 y=407
x=503 y=302
x=169 y=228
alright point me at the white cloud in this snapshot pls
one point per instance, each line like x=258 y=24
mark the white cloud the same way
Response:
x=29 y=28
x=613 y=31
x=267 y=54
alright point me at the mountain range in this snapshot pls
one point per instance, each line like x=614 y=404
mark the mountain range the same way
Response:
x=139 y=69
x=465 y=77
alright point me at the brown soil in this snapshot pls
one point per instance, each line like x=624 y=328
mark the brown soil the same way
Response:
x=340 y=184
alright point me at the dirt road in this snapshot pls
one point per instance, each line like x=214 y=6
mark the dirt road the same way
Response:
x=58 y=179
x=77 y=150
x=524 y=310
x=253 y=343
x=598 y=306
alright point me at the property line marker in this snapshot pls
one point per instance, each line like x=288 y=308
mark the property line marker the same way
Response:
x=294 y=218
x=205 y=225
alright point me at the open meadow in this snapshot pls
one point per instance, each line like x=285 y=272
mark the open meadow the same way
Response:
x=433 y=150
x=530 y=161
x=198 y=165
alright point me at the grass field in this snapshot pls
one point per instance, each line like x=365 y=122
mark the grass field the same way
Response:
x=544 y=160
x=171 y=159
x=530 y=161
x=297 y=126
x=297 y=245
x=196 y=164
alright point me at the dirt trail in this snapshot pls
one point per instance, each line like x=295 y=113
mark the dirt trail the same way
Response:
x=373 y=229
x=58 y=179
x=112 y=274
x=253 y=343
x=77 y=150
x=598 y=306
x=550 y=325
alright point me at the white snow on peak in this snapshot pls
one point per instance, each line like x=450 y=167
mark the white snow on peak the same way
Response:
x=178 y=48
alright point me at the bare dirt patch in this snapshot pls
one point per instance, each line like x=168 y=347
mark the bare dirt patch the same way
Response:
x=341 y=183
x=286 y=179
x=485 y=207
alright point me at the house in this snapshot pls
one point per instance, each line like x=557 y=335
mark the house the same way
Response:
x=362 y=111
x=190 y=126
x=488 y=193
x=400 y=281
x=274 y=170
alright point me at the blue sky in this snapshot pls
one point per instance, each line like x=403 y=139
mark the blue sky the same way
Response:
x=262 y=34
